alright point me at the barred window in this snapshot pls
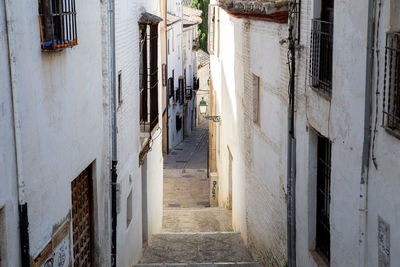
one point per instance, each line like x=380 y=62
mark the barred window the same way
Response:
x=148 y=81
x=322 y=49
x=57 y=20
x=391 y=101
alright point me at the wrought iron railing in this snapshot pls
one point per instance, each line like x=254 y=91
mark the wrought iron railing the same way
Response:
x=321 y=56
x=57 y=20
x=391 y=91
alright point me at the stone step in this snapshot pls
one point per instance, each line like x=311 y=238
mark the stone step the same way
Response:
x=225 y=264
x=197 y=248
x=197 y=220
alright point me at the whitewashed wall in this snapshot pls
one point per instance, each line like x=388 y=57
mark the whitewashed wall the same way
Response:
x=129 y=238
x=175 y=63
x=258 y=166
x=9 y=234
x=61 y=112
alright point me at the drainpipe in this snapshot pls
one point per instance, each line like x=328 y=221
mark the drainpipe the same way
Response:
x=114 y=160
x=291 y=157
x=22 y=203
x=367 y=134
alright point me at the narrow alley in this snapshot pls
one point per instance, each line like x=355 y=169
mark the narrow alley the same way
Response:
x=193 y=233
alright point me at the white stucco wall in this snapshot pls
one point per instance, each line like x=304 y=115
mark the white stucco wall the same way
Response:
x=61 y=112
x=175 y=65
x=258 y=166
x=9 y=234
x=129 y=238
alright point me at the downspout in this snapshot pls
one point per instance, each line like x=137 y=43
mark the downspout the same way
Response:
x=166 y=70
x=22 y=203
x=291 y=157
x=114 y=160
x=367 y=134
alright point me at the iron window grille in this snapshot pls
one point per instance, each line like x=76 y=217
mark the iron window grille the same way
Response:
x=57 y=21
x=323 y=236
x=170 y=87
x=196 y=83
x=391 y=91
x=189 y=92
x=181 y=90
x=148 y=77
x=321 y=56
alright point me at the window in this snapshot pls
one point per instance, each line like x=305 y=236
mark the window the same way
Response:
x=178 y=123
x=391 y=101
x=211 y=28
x=148 y=81
x=170 y=87
x=119 y=90
x=57 y=21
x=129 y=209
x=322 y=48
x=323 y=236
x=181 y=90
x=256 y=99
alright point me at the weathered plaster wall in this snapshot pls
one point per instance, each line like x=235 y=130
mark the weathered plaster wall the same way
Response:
x=204 y=76
x=61 y=113
x=258 y=166
x=129 y=237
x=175 y=64
x=9 y=234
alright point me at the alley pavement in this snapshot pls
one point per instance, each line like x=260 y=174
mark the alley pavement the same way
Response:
x=193 y=234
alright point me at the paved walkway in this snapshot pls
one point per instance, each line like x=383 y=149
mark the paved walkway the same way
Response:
x=193 y=234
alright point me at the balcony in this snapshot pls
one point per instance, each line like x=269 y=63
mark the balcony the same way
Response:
x=321 y=56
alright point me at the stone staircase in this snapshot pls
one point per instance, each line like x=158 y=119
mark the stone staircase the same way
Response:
x=197 y=249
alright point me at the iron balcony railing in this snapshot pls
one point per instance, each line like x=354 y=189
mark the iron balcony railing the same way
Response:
x=321 y=56
x=391 y=91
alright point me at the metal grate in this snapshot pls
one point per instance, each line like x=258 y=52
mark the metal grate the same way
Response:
x=82 y=218
x=148 y=77
x=391 y=100
x=323 y=236
x=321 y=56
x=57 y=20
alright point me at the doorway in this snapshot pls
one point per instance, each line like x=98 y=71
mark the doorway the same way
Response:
x=82 y=218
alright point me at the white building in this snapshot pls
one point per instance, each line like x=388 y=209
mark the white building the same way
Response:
x=53 y=138
x=182 y=70
x=248 y=85
x=346 y=203
x=140 y=47
x=56 y=130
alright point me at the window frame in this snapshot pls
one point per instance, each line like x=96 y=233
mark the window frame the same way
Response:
x=57 y=22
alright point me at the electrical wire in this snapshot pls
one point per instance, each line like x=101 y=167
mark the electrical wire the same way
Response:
x=377 y=94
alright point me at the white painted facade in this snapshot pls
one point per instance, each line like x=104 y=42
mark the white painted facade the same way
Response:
x=182 y=63
x=250 y=155
x=59 y=104
x=9 y=233
x=63 y=107
x=259 y=152
x=175 y=71
x=203 y=73
x=144 y=182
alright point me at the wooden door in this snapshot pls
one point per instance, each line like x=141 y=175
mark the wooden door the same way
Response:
x=82 y=219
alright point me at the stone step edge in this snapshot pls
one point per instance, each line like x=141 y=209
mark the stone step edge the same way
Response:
x=196 y=209
x=199 y=263
x=195 y=233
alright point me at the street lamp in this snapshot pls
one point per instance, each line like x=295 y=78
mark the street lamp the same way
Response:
x=203 y=111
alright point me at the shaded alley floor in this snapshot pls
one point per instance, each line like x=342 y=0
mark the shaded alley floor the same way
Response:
x=193 y=233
